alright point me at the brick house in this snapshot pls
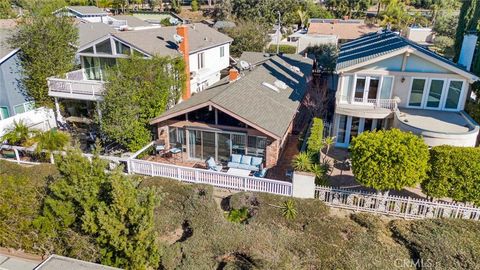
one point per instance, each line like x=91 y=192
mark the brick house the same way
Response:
x=249 y=112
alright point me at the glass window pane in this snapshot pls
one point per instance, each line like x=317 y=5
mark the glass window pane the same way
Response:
x=172 y=135
x=417 y=92
x=347 y=88
x=368 y=124
x=342 y=126
x=238 y=144
x=354 y=128
x=453 y=96
x=373 y=88
x=435 y=93
x=359 y=88
x=122 y=48
x=4 y=113
x=256 y=146
x=386 y=91
x=19 y=109
x=195 y=144
x=224 y=145
x=88 y=50
x=104 y=47
x=208 y=141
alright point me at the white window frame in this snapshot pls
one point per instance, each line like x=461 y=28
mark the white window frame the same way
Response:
x=427 y=93
x=443 y=99
x=462 y=94
x=367 y=86
x=348 y=128
x=24 y=105
x=222 y=51
x=423 y=93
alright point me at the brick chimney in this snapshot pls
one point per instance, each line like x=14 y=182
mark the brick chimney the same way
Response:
x=233 y=75
x=182 y=30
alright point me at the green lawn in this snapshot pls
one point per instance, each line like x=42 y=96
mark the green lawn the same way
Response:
x=194 y=233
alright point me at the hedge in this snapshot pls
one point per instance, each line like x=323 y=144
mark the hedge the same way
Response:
x=282 y=49
x=455 y=173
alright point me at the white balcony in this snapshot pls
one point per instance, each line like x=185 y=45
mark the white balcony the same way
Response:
x=366 y=108
x=75 y=86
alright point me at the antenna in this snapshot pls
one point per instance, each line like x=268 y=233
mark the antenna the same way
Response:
x=178 y=39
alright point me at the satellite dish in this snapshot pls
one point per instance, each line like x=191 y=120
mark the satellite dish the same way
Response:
x=244 y=64
x=177 y=38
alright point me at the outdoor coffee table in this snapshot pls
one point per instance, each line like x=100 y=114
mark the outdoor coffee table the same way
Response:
x=238 y=172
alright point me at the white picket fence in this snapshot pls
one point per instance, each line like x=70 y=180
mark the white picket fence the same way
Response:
x=406 y=207
x=217 y=179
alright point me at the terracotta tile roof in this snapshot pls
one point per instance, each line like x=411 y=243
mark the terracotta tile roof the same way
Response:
x=343 y=29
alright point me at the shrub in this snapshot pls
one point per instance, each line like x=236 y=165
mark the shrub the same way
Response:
x=389 y=159
x=288 y=49
x=315 y=142
x=195 y=6
x=17 y=134
x=288 y=209
x=302 y=162
x=455 y=173
x=238 y=215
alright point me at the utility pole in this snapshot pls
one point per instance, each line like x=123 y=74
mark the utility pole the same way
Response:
x=278 y=32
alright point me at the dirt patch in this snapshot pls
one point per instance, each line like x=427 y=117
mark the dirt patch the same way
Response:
x=238 y=260
x=178 y=235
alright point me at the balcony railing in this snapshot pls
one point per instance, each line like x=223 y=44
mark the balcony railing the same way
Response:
x=75 y=86
x=376 y=103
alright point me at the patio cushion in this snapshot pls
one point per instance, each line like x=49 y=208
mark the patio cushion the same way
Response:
x=246 y=160
x=256 y=161
x=233 y=164
x=236 y=158
x=211 y=162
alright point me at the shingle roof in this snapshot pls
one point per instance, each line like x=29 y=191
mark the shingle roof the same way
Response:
x=132 y=21
x=89 y=32
x=380 y=43
x=87 y=10
x=160 y=40
x=250 y=100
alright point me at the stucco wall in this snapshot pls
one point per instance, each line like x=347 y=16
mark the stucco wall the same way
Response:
x=213 y=62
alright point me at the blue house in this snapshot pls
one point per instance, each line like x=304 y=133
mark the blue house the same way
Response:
x=12 y=97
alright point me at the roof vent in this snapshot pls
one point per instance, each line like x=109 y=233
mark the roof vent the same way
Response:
x=280 y=84
x=244 y=64
x=271 y=87
x=295 y=69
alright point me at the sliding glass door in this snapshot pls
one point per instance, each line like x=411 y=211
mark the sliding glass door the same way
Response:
x=440 y=94
x=435 y=90
x=453 y=95
x=208 y=144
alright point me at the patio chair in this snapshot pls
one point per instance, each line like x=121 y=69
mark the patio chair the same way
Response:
x=212 y=165
x=261 y=174
x=159 y=146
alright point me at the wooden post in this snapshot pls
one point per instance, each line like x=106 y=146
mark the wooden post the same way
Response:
x=17 y=156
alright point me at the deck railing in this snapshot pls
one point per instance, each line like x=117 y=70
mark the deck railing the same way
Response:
x=217 y=179
x=376 y=102
x=405 y=207
x=58 y=87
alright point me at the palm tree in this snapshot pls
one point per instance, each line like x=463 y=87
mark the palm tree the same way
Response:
x=52 y=140
x=302 y=162
x=18 y=134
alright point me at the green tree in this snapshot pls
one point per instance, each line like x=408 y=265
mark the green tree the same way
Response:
x=468 y=21
x=46 y=47
x=455 y=173
x=325 y=54
x=389 y=159
x=195 y=6
x=248 y=36
x=52 y=140
x=106 y=206
x=315 y=10
x=349 y=8
x=315 y=141
x=138 y=90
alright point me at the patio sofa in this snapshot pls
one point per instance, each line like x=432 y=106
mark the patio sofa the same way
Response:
x=245 y=162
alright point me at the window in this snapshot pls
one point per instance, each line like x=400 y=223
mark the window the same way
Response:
x=222 y=51
x=4 y=112
x=122 y=48
x=238 y=144
x=373 y=88
x=104 y=47
x=347 y=88
x=256 y=146
x=342 y=129
x=416 y=94
x=201 y=60
x=176 y=136
x=360 y=88
x=386 y=91
x=453 y=94
x=435 y=93
x=24 y=107
x=88 y=50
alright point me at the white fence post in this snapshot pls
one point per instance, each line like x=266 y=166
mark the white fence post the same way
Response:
x=303 y=185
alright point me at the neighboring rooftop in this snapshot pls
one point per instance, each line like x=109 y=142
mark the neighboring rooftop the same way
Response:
x=56 y=262
x=89 y=32
x=160 y=40
x=250 y=99
x=87 y=10
x=132 y=21
x=342 y=29
x=380 y=43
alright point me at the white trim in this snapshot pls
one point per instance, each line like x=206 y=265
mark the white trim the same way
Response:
x=410 y=92
x=442 y=94
x=10 y=54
